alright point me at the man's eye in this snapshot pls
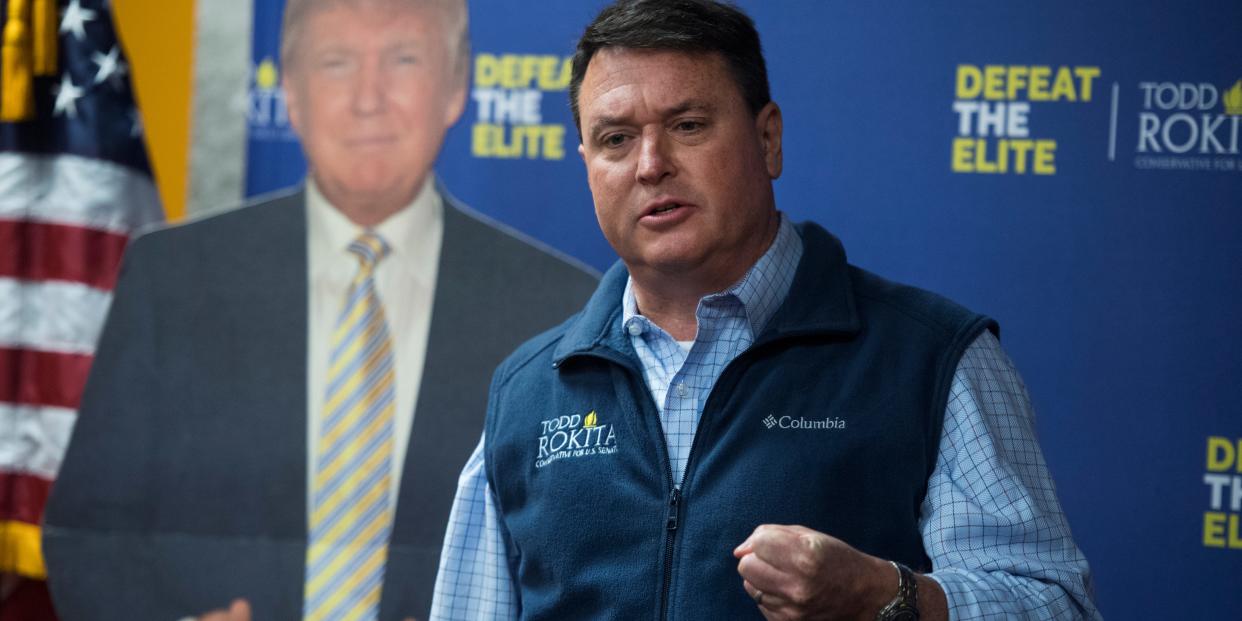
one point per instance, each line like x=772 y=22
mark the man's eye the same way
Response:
x=614 y=140
x=333 y=64
x=689 y=126
x=407 y=59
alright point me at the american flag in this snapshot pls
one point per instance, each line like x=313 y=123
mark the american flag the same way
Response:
x=75 y=183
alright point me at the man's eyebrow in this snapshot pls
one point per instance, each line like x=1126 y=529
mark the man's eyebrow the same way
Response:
x=690 y=105
x=605 y=121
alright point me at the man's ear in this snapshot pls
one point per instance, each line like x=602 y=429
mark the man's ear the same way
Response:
x=769 y=125
x=456 y=104
x=581 y=151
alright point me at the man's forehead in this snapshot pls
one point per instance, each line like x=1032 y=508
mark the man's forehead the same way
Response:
x=685 y=59
x=619 y=79
x=402 y=23
x=382 y=6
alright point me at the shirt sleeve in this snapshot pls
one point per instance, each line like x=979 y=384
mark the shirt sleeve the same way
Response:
x=999 y=542
x=474 y=582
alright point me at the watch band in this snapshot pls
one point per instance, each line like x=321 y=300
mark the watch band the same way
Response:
x=905 y=606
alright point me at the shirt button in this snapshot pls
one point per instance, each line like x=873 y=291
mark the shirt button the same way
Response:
x=635 y=328
x=682 y=391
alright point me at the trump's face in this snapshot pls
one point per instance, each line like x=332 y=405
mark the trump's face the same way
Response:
x=371 y=90
x=680 y=170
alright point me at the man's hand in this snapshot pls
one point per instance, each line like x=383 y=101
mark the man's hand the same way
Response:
x=793 y=572
x=238 y=611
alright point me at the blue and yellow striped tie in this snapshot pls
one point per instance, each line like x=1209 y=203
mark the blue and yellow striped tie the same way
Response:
x=351 y=513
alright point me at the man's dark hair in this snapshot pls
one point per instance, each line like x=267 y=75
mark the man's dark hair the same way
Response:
x=704 y=26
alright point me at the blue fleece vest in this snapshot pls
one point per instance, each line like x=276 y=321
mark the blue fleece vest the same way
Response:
x=831 y=420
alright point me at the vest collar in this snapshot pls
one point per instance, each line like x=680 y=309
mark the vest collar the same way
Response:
x=820 y=302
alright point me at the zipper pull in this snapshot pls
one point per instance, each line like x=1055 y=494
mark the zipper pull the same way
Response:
x=674 y=506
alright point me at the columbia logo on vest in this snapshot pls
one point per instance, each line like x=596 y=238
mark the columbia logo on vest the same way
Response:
x=800 y=423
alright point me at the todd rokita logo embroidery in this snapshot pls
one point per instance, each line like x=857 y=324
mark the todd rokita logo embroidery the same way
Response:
x=799 y=422
x=574 y=436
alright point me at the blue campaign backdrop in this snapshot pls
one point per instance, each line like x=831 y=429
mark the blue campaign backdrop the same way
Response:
x=1072 y=169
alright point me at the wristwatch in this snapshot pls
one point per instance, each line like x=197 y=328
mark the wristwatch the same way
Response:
x=904 y=607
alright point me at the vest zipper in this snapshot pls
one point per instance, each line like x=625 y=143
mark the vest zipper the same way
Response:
x=670 y=528
x=674 y=500
x=638 y=386
x=672 y=521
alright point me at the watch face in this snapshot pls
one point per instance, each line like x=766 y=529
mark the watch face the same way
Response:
x=905 y=614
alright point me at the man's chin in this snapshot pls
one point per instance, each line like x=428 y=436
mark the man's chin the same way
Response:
x=374 y=184
x=367 y=204
x=667 y=265
x=674 y=251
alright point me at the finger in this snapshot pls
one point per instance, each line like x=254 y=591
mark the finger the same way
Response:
x=742 y=549
x=771 y=606
x=746 y=547
x=240 y=610
x=769 y=600
x=763 y=530
x=765 y=576
x=777 y=546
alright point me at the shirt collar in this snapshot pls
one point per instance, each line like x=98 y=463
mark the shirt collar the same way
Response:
x=760 y=291
x=404 y=231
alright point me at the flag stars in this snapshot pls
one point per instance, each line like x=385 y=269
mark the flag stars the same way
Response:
x=75 y=18
x=111 y=67
x=67 y=96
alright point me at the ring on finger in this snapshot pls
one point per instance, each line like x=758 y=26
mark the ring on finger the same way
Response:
x=758 y=597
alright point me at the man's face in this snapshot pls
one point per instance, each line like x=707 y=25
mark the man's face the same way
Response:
x=371 y=93
x=680 y=170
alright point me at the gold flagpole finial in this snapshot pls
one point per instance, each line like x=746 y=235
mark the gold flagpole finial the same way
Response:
x=16 y=69
x=46 y=35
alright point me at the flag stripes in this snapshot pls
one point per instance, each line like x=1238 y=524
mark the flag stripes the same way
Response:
x=77 y=191
x=51 y=316
x=24 y=496
x=42 y=378
x=49 y=251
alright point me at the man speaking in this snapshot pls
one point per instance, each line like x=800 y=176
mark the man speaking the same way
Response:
x=740 y=423
x=284 y=394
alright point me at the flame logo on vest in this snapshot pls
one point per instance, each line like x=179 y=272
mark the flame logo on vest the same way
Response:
x=574 y=436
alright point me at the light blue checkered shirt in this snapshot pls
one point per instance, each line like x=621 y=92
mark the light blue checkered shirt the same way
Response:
x=728 y=322
x=991 y=523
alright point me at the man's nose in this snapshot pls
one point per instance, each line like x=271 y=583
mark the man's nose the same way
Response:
x=370 y=90
x=655 y=161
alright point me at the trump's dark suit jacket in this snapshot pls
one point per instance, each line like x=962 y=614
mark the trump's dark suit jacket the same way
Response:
x=184 y=484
